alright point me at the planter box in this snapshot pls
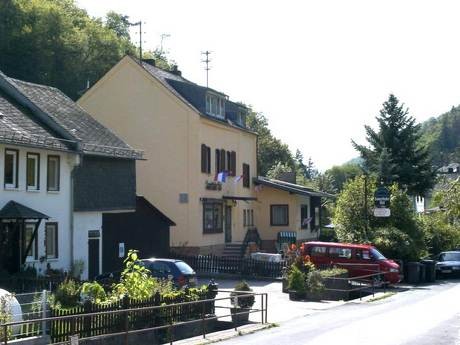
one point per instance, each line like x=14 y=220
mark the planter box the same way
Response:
x=240 y=316
x=296 y=296
x=338 y=285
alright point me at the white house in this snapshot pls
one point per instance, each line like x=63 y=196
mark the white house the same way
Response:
x=60 y=171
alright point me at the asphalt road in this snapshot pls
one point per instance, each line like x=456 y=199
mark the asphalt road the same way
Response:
x=423 y=315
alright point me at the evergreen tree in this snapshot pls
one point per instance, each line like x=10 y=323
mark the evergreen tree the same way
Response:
x=399 y=135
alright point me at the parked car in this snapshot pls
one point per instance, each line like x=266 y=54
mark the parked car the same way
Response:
x=448 y=263
x=180 y=273
x=358 y=259
x=177 y=271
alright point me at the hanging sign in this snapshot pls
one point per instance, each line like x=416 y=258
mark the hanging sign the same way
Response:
x=382 y=212
x=382 y=197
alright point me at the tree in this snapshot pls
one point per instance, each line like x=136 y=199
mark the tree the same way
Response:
x=448 y=200
x=161 y=59
x=277 y=170
x=400 y=136
x=119 y=24
x=340 y=174
x=53 y=42
x=399 y=236
x=271 y=150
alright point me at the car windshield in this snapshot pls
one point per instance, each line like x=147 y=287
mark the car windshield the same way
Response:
x=184 y=268
x=376 y=255
x=449 y=257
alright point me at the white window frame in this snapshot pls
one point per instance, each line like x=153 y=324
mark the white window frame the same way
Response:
x=215 y=105
x=30 y=227
x=54 y=240
x=49 y=187
x=36 y=158
x=15 y=154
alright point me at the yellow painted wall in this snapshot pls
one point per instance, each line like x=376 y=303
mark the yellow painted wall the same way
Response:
x=149 y=117
x=269 y=196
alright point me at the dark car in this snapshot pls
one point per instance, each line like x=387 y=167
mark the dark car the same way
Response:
x=448 y=263
x=177 y=271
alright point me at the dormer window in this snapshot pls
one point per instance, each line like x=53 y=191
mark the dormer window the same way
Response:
x=241 y=117
x=215 y=106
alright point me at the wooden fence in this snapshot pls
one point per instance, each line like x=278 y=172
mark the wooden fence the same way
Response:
x=233 y=265
x=94 y=325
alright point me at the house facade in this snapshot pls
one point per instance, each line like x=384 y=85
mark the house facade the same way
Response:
x=287 y=208
x=60 y=171
x=200 y=157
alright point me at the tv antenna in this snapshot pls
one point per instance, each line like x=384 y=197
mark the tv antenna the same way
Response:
x=207 y=68
x=163 y=36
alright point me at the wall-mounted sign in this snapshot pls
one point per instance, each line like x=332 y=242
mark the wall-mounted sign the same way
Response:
x=121 y=250
x=94 y=233
x=382 y=197
x=213 y=185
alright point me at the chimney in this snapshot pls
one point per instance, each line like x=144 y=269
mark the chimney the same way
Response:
x=288 y=176
x=151 y=62
x=175 y=70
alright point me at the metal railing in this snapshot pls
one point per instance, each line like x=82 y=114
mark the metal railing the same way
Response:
x=360 y=283
x=127 y=314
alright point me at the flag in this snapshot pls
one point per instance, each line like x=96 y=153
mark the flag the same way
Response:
x=222 y=176
x=306 y=221
x=238 y=178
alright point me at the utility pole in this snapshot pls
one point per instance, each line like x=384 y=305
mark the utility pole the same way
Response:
x=207 y=68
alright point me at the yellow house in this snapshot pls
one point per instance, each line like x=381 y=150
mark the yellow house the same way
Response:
x=285 y=208
x=200 y=157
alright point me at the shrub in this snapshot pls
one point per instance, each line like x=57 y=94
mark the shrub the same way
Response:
x=439 y=235
x=333 y=272
x=315 y=282
x=93 y=292
x=5 y=316
x=67 y=294
x=242 y=302
x=296 y=280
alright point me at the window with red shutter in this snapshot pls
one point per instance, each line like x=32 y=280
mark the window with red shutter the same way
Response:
x=233 y=160
x=217 y=161
x=223 y=166
x=246 y=175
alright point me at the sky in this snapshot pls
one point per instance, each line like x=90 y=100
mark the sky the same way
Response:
x=318 y=70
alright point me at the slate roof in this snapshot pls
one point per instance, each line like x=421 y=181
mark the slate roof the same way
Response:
x=290 y=187
x=91 y=136
x=15 y=210
x=191 y=93
x=17 y=126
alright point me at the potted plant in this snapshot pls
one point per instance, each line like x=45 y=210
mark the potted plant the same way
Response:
x=315 y=286
x=296 y=284
x=243 y=304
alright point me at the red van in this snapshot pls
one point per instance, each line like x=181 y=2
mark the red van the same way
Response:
x=359 y=259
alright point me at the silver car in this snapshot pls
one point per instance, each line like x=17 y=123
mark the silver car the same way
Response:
x=448 y=264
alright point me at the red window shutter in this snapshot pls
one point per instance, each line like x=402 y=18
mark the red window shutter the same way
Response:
x=208 y=163
x=246 y=175
x=203 y=158
x=218 y=170
x=223 y=166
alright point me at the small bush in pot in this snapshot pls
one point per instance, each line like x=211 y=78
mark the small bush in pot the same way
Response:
x=315 y=286
x=296 y=283
x=241 y=305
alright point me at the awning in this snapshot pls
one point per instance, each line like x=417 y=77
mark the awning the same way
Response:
x=15 y=210
x=243 y=198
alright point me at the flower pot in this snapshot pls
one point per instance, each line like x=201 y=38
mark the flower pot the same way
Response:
x=296 y=295
x=240 y=315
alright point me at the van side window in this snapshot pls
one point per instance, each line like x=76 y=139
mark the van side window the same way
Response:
x=363 y=254
x=318 y=251
x=344 y=253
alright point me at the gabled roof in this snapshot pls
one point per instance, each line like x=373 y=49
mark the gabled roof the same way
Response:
x=142 y=200
x=192 y=94
x=15 y=210
x=290 y=187
x=56 y=115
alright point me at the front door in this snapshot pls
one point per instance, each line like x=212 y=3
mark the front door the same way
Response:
x=10 y=255
x=228 y=224
x=93 y=258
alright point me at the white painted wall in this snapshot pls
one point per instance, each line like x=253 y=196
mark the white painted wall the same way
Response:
x=57 y=205
x=84 y=222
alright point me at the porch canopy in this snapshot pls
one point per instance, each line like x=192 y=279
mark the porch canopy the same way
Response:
x=15 y=210
x=18 y=213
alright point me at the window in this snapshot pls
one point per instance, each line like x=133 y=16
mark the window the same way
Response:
x=344 y=253
x=241 y=117
x=51 y=240
x=279 y=215
x=232 y=164
x=248 y=217
x=318 y=251
x=212 y=217
x=218 y=170
x=11 y=168
x=215 y=106
x=29 y=230
x=53 y=172
x=246 y=175
x=304 y=217
x=33 y=171
x=205 y=159
x=223 y=166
